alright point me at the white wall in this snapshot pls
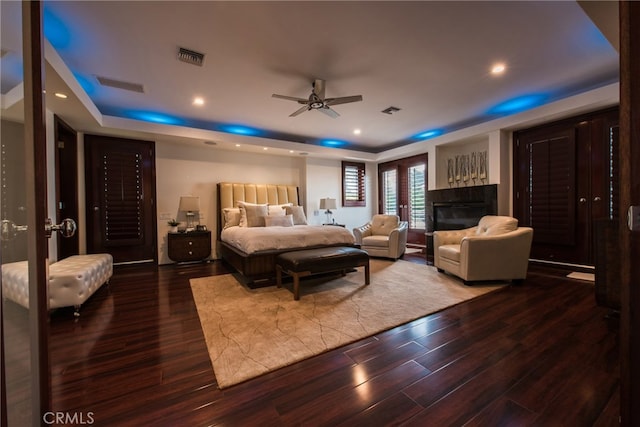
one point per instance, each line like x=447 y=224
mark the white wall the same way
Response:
x=195 y=170
x=324 y=179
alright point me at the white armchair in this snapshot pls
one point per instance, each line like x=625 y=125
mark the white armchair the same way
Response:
x=495 y=249
x=384 y=236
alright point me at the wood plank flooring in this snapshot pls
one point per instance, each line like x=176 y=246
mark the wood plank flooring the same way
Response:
x=540 y=354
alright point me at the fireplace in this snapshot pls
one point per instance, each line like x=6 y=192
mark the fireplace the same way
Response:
x=457 y=215
x=457 y=208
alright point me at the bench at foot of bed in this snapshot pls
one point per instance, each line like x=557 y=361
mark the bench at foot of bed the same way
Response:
x=323 y=260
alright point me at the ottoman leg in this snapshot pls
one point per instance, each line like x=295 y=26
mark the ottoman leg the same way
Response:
x=278 y=276
x=296 y=286
x=367 y=274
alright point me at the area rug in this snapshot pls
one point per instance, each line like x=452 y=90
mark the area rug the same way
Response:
x=253 y=331
x=587 y=277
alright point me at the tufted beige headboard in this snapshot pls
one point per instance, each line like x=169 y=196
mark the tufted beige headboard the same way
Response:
x=229 y=193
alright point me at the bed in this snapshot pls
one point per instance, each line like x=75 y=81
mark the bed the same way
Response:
x=252 y=250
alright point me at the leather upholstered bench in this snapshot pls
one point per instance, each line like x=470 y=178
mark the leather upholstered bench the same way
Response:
x=71 y=280
x=322 y=260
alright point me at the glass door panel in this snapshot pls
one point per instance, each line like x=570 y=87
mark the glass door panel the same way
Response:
x=16 y=339
x=23 y=326
x=402 y=191
x=390 y=192
x=417 y=193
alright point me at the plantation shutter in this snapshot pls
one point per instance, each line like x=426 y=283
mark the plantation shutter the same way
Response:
x=353 y=184
x=552 y=188
x=122 y=197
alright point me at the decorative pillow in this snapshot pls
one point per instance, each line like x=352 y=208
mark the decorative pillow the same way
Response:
x=252 y=215
x=298 y=214
x=231 y=217
x=278 y=209
x=279 y=220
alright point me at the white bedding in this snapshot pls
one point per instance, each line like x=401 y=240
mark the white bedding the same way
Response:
x=254 y=239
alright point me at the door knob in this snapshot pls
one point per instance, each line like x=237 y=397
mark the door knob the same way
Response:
x=66 y=228
x=596 y=199
x=582 y=200
x=9 y=229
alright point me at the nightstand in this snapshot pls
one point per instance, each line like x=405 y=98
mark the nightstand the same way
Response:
x=190 y=246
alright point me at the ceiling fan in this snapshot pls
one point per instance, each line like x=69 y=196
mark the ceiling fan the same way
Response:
x=317 y=101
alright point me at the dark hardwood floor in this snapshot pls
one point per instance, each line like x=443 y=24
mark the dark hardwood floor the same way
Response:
x=541 y=353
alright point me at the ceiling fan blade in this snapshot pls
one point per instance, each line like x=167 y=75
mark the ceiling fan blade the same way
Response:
x=329 y=112
x=299 y=111
x=290 y=98
x=318 y=88
x=343 y=100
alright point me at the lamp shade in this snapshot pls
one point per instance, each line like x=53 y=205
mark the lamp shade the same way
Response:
x=189 y=204
x=328 y=204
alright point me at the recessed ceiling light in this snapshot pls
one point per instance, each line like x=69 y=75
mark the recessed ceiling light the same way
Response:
x=291 y=151
x=198 y=101
x=357 y=131
x=498 y=69
x=265 y=148
x=60 y=95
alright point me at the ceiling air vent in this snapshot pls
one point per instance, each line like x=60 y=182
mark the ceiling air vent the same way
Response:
x=119 y=84
x=390 y=110
x=190 y=56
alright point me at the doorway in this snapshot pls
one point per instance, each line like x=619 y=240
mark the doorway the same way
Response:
x=121 y=193
x=402 y=186
x=66 y=184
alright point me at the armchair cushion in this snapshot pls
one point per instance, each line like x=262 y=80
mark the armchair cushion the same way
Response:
x=492 y=225
x=383 y=225
x=496 y=249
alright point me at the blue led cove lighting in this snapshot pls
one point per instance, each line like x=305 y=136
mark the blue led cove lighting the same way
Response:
x=429 y=134
x=55 y=30
x=519 y=104
x=240 y=130
x=153 y=117
x=332 y=143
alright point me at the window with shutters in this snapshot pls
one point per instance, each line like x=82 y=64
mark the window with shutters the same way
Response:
x=390 y=192
x=353 y=184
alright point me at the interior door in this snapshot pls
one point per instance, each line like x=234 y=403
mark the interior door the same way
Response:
x=66 y=184
x=121 y=192
x=24 y=391
x=403 y=188
x=566 y=182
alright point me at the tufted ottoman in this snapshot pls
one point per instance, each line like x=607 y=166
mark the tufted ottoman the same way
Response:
x=71 y=281
x=322 y=260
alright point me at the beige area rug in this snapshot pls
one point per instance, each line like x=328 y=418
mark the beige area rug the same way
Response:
x=253 y=331
x=588 y=277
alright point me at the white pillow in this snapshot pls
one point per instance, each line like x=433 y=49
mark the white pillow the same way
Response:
x=278 y=209
x=298 y=214
x=231 y=217
x=252 y=215
x=278 y=220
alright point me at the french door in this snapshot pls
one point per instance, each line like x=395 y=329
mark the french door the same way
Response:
x=402 y=188
x=24 y=367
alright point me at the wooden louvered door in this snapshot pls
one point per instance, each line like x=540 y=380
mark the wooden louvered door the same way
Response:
x=120 y=182
x=565 y=181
